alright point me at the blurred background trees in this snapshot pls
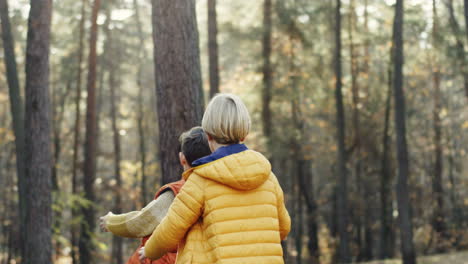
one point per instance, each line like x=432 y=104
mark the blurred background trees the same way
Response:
x=361 y=106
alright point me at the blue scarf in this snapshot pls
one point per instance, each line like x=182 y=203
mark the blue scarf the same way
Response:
x=220 y=153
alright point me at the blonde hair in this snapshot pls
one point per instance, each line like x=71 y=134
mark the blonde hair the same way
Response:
x=226 y=119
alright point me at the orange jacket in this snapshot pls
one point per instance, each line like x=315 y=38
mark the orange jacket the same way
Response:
x=169 y=258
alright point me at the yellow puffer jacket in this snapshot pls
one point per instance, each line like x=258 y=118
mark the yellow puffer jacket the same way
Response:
x=230 y=211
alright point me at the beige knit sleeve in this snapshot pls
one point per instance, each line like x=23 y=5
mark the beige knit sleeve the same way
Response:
x=140 y=223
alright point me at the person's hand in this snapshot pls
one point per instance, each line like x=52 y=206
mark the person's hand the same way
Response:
x=141 y=252
x=102 y=223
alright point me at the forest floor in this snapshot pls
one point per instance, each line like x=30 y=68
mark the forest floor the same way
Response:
x=450 y=258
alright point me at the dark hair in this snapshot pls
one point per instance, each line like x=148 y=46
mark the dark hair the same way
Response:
x=194 y=144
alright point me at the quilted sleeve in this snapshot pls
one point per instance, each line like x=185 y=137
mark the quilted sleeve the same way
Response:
x=283 y=215
x=140 y=223
x=183 y=213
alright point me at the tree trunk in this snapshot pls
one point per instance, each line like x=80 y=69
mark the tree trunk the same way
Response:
x=213 y=48
x=38 y=240
x=58 y=111
x=404 y=206
x=117 y=254
x=140 y=118
x=302 y=171
x=365 y=73
x=460 y=50
x=457 y=214
x=299 y=225
x=365 y=67
x=89 y=170
x=359 y=216
x=386 y=232
x=76 y=139
x=178 y=79
x=307 y=192
x=466 y=17
x=343 y=250
x=117 y=250
x=267 y=71
x=437 y=189
x=367 y=252
x=17 y=112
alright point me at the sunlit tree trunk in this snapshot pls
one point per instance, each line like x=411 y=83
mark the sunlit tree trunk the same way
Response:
x=141 y=114
x=89 y=170
x=466 y=17
x=178 y=78
x=267 y=71
x=213 y=48
x=38 y=239
x=404 y=206
x=367 y=57
x=112 y=66
x=117 y=254
x=17 y=111
x=343 y=249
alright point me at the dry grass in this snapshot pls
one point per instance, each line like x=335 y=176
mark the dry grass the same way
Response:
x=451 y=258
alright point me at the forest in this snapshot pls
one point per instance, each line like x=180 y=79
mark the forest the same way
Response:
x=361 y=106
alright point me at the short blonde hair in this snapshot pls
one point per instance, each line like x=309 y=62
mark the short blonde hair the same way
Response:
x=226 y=119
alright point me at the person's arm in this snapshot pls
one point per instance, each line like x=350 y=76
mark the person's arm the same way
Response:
x=283 y=215
x=183 y=213
x=140 y=223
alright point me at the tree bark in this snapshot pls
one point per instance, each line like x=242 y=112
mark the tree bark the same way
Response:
x=343 y=250
x=117 y=249
x=117 y=253
x=299 y=225
x=178 y=79
x=457 y=212
x=386 y=233
x=267 y=71
x=404 y=206
x=367 y=58
x=365 y=73
x=140 y=118
x=466 y=17
x=359 y=216
x=303 y=172
x=438 y=222
x=296 y=141
x=76 y=138
x=459 y=48
x=213 y=48
x=58 y=111
x=307 y=192
x=58 y=106
x=38 y=239
x=17 y=112
x=89 y=170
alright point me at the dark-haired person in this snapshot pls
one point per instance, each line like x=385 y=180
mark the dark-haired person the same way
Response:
x=140 y=224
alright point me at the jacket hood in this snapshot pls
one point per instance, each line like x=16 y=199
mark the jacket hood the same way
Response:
x=245 y=170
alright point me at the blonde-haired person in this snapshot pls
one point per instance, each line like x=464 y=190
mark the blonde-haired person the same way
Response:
x=231 y=209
